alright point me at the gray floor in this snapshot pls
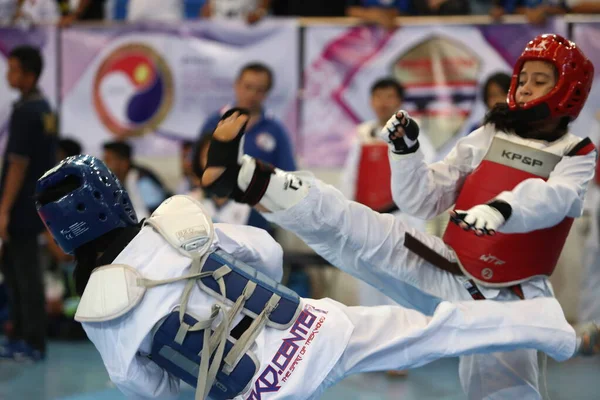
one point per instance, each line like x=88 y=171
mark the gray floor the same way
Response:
x=74 y=371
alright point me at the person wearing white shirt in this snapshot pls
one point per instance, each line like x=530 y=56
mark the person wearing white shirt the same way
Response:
x=250 y=11
x=155 y=10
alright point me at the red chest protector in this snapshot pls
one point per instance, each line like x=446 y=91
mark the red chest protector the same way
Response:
x=506 y=259
x=373 y=187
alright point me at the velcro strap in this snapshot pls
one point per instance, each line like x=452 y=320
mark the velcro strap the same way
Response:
x=258 y=184
x=411 y=129
x=223 y=154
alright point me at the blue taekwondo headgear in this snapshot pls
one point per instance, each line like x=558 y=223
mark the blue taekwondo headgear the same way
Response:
x=97 y=204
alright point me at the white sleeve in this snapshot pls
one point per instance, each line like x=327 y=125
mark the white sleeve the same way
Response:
x=146 y=380
x=425 y=191
x=538 y=204
x=357 y=240
x=253 y=246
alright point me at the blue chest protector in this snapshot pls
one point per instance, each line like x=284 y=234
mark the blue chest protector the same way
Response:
x=224 y=368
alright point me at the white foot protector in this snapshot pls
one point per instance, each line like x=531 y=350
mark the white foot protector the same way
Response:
x=285 y=189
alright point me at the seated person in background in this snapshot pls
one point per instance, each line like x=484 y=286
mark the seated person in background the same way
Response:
x=440 y=7
x=536 y=11
x=251 y=11
x=155 y=10
x=144 y=187
x=583 y=6
x=67 y=148
x=494 y=91
x=380 y=12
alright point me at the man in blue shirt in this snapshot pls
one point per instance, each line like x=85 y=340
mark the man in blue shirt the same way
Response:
x=536 y=11
x=265 y=137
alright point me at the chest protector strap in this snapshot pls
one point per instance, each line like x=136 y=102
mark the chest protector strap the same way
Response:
x=225 y=366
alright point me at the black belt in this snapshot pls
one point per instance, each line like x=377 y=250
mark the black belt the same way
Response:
x=431 y=256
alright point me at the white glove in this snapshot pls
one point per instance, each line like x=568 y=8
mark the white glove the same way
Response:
x=401 y=133
x=483 y=219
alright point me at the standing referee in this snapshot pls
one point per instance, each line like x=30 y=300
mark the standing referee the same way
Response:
x=30 y=151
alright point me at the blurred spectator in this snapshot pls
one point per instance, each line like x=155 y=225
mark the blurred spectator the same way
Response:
x=494 y=91
x=309 y=8
x=536 y=11
x=480 y=7
x=440 y=7
x=188 y=179
x=583 y=6
x=81 y=10
x=380 y=12
x=30 y=152
x=8 y=9
x=155 y=10
x=67 y=148
x=251 y=11
x=265 y=137
x=37 y=12
x=145 y=189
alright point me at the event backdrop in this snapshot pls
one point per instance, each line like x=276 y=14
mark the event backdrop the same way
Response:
x=156 y=84
x=441 y=67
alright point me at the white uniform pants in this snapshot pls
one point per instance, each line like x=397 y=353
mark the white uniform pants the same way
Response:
x=370 y=246
x=392 y=337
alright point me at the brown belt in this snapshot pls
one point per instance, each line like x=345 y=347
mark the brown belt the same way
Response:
x=431 y=256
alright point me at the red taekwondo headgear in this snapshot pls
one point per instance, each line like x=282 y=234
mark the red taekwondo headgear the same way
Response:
x=575 y=77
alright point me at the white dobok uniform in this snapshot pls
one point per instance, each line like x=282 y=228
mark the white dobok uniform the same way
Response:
x=370 y=246
x=330 y=340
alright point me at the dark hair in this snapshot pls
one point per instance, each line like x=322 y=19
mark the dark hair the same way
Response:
x=121 y=149
x=501 y=79
x=30 y=59
x=388 y=83
x=260 y=68
x=70 y=147
x=525 y=123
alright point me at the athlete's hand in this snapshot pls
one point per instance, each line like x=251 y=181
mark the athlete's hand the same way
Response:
x=401 y=133
x=484 y=219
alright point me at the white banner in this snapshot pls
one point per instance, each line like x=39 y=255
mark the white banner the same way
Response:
x=156 y=84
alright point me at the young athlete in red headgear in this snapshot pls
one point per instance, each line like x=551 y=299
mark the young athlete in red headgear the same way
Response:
x=514 y=184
